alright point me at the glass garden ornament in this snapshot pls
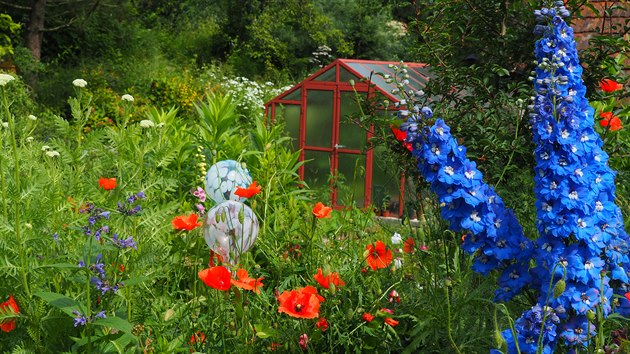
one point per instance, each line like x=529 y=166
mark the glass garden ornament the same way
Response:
x=230 y=230
x=222 y=179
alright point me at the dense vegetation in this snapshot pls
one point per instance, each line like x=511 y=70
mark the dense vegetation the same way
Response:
x=174 y=87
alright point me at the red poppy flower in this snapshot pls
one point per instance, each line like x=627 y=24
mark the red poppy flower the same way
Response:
x=610 y=121
x=390 y=321
x=301 y=303
x=367 y=317
x=325 y=281
x=8 y=325
x=246 y=283
x=322 y=324
x=608 y=85
x=378 y=256
x=274 y=346
x=248 y=192
x=198 y=337
x=217 y=277
x=401 y=136
x=107 y=183
x=627 y=295
x=409 y=245
x=186 y=222
x=321 y=211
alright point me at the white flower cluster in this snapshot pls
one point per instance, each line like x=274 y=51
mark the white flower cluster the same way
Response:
x=5 y=79
x=49 y=151
x=79 y=83
x=127 y=97
x=250 y=95
x=147 y=123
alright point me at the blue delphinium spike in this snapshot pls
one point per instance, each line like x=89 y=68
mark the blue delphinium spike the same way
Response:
x=581 y=231
x=492 y=233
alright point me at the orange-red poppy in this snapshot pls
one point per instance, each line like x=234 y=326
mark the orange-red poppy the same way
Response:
x=401 y=136
x=322 y=324
x=274 y=346
x=390 y=321
x=627 y=295
x=367 y=317
x=248 y=192
x=321 y=211
x=608 y=85
x=325 y=281
x=186 y=222
x=8 y=325
x=246 y=283
x=610 y=121
x=378 y=256
x=300 y=303
x=198 y=337
x=107 y=183
x=410 y=245
x=216 y=277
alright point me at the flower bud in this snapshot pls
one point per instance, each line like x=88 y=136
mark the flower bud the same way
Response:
x=558 y=289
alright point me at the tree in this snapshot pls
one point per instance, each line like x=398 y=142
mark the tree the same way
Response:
x=60 y=14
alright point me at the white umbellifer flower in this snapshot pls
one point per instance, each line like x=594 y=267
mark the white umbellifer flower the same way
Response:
x=52 y=153
x=396 y=238
x=32 y=117
x=146 y=123
x=5 y=78
x=45 y=147
x=79 y=83
x=5 y=124
x=29 y=139
x=127 y=97
x=160 y=125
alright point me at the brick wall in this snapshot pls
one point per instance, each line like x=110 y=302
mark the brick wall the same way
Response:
x=610 y=18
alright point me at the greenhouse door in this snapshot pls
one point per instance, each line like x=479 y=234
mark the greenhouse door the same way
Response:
x=334 y=145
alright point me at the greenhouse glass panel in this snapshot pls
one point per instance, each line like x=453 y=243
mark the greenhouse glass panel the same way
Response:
x=351 y=136
x=290 y=114
x=294 y=96
x=385 y=181
x=328 y=75
x=346 y=76
x=352 y=189
x=319 y=118
x=317 y=171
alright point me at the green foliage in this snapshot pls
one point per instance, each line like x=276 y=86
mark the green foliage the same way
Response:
x=8 y=29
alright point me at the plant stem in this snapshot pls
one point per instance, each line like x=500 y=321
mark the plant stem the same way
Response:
x=18 y=236
x=448 y=318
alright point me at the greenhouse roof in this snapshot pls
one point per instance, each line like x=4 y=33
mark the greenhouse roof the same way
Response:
x=341 y=71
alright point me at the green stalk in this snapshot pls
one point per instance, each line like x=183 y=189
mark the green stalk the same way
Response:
x=88 y=311
x=18 y=236
x=448 y=318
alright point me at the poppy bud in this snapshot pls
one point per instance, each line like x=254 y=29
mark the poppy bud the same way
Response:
x=590 y=315
x=558 y=289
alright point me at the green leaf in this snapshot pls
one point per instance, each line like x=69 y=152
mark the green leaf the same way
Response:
x=264 y=331
x=61 y=302
x=114 y=322
x=59 y=265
